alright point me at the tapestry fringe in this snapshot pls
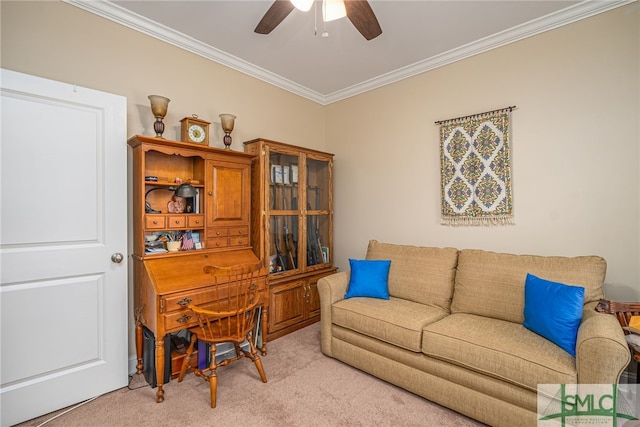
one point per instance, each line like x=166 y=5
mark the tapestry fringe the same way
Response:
x=467 y=221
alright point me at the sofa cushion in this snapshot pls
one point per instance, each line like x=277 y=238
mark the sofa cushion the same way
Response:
x=553 y=310
x=492 y=284
x=420 y=274
x=396 y=321
x=368 y=278
x=504 y=350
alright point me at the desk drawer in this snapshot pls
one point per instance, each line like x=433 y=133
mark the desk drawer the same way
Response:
x=181 y=300
x=175 y=221
x=195 y=221
x=217 y=232
x=239 y=241
x=219 y=242
x=154 y=222
x=239 y=231
x=177 y=316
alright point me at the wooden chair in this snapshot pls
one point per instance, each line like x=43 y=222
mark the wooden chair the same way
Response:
x=232 y=318
x=623 y=312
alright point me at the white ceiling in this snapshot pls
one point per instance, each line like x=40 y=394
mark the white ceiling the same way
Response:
x=416 y=36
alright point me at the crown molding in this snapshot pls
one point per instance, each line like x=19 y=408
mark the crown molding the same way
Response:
x=154 y=29
x=549 y=22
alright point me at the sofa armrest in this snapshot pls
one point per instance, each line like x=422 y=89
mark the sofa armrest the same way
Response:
x=602 y=353
x=331 y=289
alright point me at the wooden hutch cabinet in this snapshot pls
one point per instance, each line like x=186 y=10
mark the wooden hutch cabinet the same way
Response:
x=292 y=230
x=212 y=228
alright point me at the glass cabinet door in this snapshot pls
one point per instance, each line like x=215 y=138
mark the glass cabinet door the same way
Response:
x=318 y=211
x=284 y=207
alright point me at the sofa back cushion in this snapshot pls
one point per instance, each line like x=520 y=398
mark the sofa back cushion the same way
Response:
x=492 y=284
x=420 y=274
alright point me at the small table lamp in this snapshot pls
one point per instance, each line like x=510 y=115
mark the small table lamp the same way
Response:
x=227 y=121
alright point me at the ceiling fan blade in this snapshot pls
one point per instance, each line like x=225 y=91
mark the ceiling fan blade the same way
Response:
x=362 y=17
x=279 y=10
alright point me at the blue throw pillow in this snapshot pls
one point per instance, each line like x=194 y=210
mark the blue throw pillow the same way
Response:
x=369 y=278
x=554 y=311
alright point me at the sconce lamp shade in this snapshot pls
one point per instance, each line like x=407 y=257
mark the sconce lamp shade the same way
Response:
x=159 y=105
x=185 y=191
x=226 y=122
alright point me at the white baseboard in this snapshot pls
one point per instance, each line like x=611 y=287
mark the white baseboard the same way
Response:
x=133 y=361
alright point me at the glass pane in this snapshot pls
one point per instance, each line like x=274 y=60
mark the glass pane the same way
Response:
x=283 y=193
x=284 y=243
x=318 y=240
x=317 y=185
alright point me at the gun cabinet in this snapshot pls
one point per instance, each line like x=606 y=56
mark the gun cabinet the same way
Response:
x=292 y=202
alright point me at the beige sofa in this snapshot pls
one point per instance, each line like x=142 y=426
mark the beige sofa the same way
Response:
x=452 y=330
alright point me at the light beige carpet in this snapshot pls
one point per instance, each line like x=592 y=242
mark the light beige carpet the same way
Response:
x=304 y=388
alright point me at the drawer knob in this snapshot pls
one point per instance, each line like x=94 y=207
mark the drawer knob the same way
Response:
x=183 y=319
x=197 y=221
x=185 y=301
x=155 y=222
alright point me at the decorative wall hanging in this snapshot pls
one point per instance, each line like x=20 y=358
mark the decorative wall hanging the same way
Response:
x=475 y=169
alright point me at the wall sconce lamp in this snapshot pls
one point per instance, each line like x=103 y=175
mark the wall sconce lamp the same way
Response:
x=183 y=190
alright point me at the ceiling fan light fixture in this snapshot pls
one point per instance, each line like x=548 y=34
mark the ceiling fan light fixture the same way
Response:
x=332 y=10
x=303 y=5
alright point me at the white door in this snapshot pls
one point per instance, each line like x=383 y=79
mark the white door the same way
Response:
x=63 y=300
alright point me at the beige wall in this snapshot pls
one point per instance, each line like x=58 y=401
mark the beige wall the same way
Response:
x=62 y=42
x=575 y=149
x=575 y=143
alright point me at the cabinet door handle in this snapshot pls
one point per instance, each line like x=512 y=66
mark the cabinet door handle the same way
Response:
x=185 y=301
x=183 y=319
x=210 y=193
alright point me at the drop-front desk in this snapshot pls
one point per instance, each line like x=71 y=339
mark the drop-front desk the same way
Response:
x=166 y=285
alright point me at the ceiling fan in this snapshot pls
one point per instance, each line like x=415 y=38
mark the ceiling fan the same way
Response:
x=359 y=13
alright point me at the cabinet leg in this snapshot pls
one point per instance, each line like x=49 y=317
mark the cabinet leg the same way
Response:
x=139 y=346
x=160 y=369
x=263 y=349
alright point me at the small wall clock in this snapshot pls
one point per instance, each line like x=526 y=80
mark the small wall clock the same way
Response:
x=193 y=129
